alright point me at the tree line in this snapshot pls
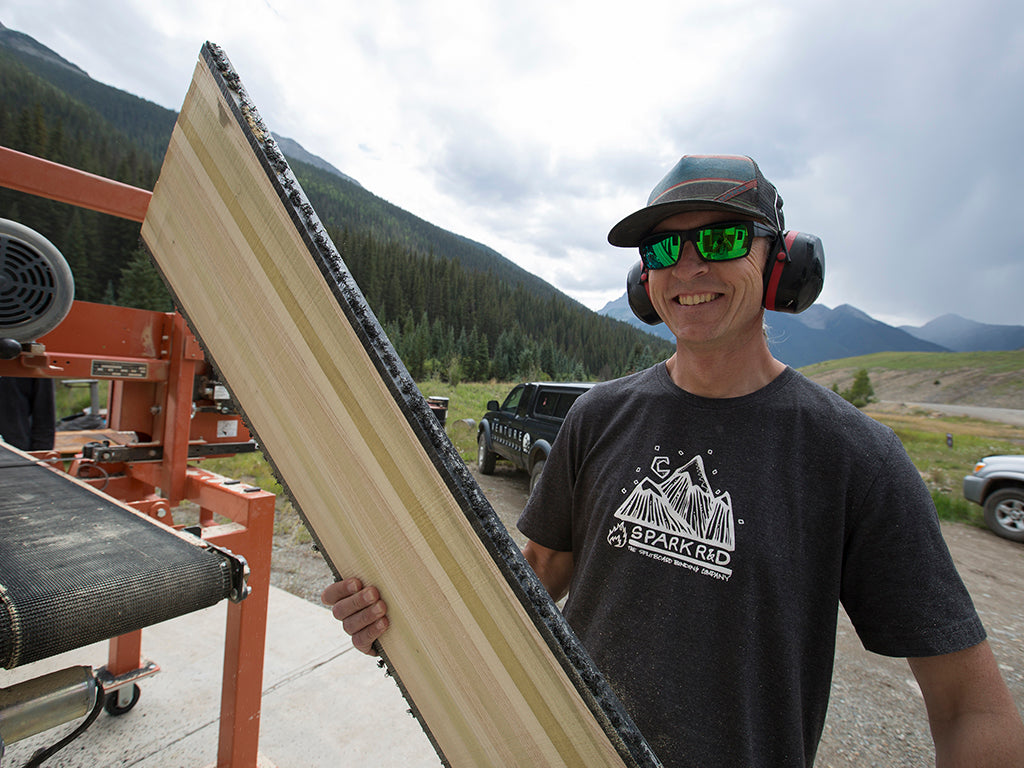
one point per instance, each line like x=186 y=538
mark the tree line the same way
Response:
x=461 y=325
x=452 y=308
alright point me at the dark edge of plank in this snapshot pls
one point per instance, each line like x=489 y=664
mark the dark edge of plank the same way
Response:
x=561 y=640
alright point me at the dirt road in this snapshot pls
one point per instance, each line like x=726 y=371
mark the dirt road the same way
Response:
x=876 y=716
x=1013 y=416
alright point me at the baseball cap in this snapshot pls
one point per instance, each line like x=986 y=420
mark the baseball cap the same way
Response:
x=729 y=183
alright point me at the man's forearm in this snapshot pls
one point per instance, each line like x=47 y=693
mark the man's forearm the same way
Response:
x=553 y=568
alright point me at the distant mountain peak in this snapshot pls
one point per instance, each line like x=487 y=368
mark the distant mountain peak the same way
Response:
x=22 y=43
x=848 y=310
x=815 y=316
x=951 y=321
x=963 y=335
x=296 y=151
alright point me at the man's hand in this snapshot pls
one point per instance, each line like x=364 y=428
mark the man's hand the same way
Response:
x=362 y=613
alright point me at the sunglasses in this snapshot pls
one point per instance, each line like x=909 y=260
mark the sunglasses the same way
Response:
x=715 y=242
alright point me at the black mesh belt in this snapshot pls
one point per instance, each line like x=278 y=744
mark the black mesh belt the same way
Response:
x=76 y=568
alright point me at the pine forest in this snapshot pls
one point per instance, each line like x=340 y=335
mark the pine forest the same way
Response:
x=454 y=309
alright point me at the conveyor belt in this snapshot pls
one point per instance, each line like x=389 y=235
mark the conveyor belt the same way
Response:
x=77 y=568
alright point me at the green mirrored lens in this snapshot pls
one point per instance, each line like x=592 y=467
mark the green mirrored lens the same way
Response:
x=723 y=243
x=662 y=253
x=717 y=242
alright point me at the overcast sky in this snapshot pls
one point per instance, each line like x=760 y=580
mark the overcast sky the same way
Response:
x=891 y=127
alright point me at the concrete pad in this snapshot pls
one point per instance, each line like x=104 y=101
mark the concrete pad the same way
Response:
x=324 y=703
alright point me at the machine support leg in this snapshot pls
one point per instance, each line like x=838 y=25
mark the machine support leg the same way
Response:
x=244 y=648
x=125 y=653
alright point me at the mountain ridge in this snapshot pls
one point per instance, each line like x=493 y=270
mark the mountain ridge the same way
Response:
x=963 y=335
x=820 y=333
x=19 y=41
x=292 y=149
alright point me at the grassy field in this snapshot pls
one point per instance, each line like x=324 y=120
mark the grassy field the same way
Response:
x=924 y=434
x=993 y=379
x=986 y=363
x=925 y=437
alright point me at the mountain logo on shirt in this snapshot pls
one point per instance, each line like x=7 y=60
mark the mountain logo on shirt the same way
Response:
x=675 y=516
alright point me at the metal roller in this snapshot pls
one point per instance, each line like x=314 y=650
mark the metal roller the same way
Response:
x=45 y=702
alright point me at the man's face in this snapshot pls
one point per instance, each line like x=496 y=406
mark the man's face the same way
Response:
x=709 y=305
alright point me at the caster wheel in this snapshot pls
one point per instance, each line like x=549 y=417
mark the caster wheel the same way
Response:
x=119 y=703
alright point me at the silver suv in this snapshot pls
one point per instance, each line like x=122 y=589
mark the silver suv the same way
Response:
x=997 y=484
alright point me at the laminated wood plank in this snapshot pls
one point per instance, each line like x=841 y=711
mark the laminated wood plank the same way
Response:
x=486 y=661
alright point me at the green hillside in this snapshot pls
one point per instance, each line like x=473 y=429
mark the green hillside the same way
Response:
x=989 y=379
x=453 y=308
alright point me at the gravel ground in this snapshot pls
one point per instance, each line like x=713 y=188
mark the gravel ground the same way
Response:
x=876 y=716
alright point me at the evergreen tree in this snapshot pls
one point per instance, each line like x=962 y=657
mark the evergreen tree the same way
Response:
x=861 y=392
x=141 y=286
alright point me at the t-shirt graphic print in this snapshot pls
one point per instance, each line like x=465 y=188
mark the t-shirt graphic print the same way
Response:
x=673 y=514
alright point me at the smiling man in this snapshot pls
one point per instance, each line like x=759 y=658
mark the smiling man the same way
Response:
x=713 y=308
x=707 y=516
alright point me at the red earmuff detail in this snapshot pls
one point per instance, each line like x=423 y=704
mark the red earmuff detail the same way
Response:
x=773 y=280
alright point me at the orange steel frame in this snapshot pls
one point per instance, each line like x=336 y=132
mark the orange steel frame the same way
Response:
x=152 y=361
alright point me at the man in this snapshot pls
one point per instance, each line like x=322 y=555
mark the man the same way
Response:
x=27 y=413
x=707 y=516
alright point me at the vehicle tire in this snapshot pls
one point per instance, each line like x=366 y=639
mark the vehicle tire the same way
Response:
x=1004 y=513
x=484 y=458
x=115 y=707
x=535 y=474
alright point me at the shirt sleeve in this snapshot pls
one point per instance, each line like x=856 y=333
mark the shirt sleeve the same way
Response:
x=547 y=517
x=900 y=586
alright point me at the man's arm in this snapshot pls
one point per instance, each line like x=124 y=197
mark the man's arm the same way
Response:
x=973 y=718
x=553 y=568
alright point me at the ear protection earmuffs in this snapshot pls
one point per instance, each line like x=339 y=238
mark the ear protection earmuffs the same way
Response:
x=638 y=294
x=793 y=277
x=794 y=274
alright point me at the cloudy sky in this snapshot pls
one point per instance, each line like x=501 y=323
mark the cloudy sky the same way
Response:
x=891 y=127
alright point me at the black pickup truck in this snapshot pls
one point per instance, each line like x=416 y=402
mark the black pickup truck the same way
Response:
x=523 y=427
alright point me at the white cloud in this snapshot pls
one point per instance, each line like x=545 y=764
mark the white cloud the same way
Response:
x=889 y=127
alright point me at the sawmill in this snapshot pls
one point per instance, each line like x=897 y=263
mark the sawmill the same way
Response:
x=90 y=547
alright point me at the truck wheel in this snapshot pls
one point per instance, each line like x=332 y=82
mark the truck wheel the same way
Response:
x=484 y=458
x=1004 y=513
x=535 y=474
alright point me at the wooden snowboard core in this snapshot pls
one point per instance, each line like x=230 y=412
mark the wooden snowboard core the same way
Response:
x=484 y=658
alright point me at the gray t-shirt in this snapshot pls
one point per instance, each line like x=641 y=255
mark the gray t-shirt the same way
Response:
x=713 y=540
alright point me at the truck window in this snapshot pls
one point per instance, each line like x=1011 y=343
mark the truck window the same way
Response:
x=565 y=401
x=555 y=404
x=547 y=403
x=512 y=401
